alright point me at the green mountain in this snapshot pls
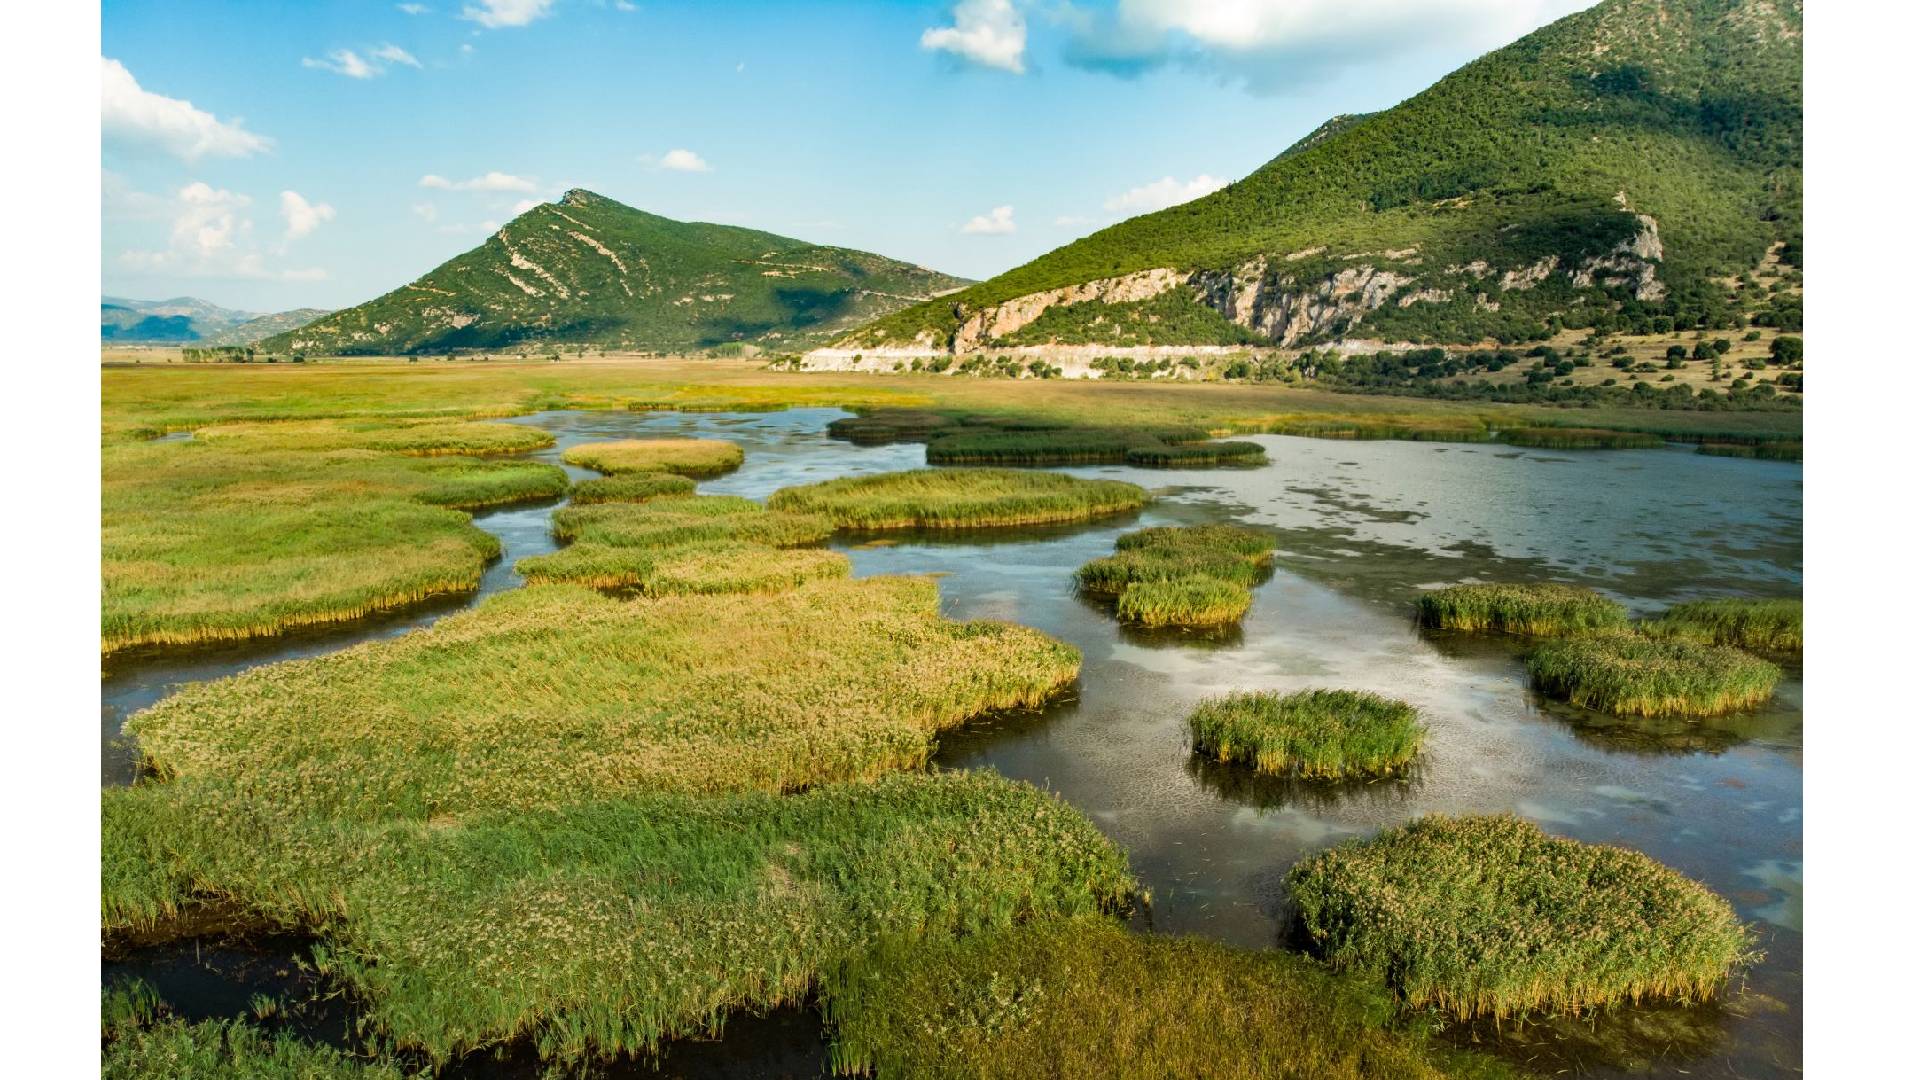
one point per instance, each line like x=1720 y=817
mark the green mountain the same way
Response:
x=589 y=270
x=1607 y=170
x=264 y=326
x=189 y=320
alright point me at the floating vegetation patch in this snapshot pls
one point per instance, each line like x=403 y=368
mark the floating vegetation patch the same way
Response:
x=685 y=457
x=1489 y=916
x=262 y=528
x=1629 y=675
x=695 y=519
x=959 y=499
x=1180 y=576
x=1782 y=450
x=1576 y=438
x=552 y=694
x=629 y=487
x=716 y=567
x=1085 y=997
x=605 y=927
x=1539 y=610
x=1312 y=733
x=1762 y=625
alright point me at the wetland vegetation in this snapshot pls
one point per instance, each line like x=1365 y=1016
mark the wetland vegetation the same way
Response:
x=1630 y=675
x=1535 y=610
x=1768 y=626
x=684 y=457
x=1489 y=916
x=959 y=499
x=629 y=487
x=1171 y=576
x=1312 y=733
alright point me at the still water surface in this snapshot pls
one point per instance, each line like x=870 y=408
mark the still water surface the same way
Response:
x=1361 y=526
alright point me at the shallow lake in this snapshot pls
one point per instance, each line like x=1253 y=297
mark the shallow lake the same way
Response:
x=1361 y=526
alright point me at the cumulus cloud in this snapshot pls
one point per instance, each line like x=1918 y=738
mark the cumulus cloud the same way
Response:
x=301 y=216
x=210 y=235
x=684 y=161
x=491 y=181
x=995 y=222
x=991 y=33
x=494 y=14
x=413 y=9
x=141 y=117
x=1161 y=194
x=354 y=66
x=524 y=205
x=1271 y=45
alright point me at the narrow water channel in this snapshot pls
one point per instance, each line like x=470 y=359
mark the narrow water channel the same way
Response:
x=1360 y=525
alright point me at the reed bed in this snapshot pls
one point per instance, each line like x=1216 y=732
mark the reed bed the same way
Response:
x=1086 y=998
x=1060 y=445
x=683 y=457
x=721 y=567
x=959 y=499
x=1489 y=916
x=1771 y=626
x=1439 y=427
x=1331 y=734
x=1577 y=438
x=1629 y=675
x=424 y=438
x=1188 y=601
x=553 y=694
x=1781 y=450
x=883 y=426
x=178 y=1050
x=1537 y=610
x=605 y=927
x=693 y=519
x=1197 y=576
x=243 y=536
x=1204 y=455
x=629 y=487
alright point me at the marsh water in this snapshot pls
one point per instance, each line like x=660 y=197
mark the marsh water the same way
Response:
x=1361 y=527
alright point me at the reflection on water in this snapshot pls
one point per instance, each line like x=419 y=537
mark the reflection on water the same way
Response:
x=1361 y=527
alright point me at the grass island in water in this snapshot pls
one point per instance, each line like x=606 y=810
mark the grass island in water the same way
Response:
x=1312 y=733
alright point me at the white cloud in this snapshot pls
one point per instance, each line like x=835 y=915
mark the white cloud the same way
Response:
x=414 y=9
x=492 y=181
x=301 y=216
x=684 y=161
x=494 y=14
x=524 y=205
x=1162 y=193
x=211 y=236
x=988 y=32
x=996 y=222
x=1272 y=44
x=354 y=66
x=139 y=116
x=426 y=212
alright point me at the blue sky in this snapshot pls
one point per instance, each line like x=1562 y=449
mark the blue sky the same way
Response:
x=271 y=155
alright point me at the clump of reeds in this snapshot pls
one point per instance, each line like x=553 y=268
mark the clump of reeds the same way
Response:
x=604 y=926
x=1198 y=455
x=1087 y=998
x=1781 y=450
x=1532 y=610
x=1312 y=733
x=685 y=457
x=959 y=499
x=171 y=1049
x=1180 y=576
x=1489 y=916
x=1575 y=438
x=882 y=426
x=1763 y=625
x=1006 y=443
x=552 y=694
x=720 y=567
x=630 y=487
x=687 y=519
x=1630 y=675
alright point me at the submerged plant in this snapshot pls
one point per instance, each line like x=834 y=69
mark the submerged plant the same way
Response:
x=1489 y=916
x=686 y=457
x=1312 y=733
x=1537 y=610
x=959 y=499
x=1629 y=675
x=1764 y=625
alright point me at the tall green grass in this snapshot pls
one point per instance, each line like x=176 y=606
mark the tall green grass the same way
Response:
x=1086 y=998
x=1540 y=610
x=883 y=426
x=1629 y=675
x=605 y=927
x=1577 y=438
x=1763 y=625
x=1489 y=916
x=1312 y=733
x=1782 y=450
x=413 y=437
x=629 y=487
x=959 y=499
x=1180 y=576
x=715 y=567
x=694 y=519
x=1199 y=455
x=684 y=457
x=552 y=694
x=211 y=1049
